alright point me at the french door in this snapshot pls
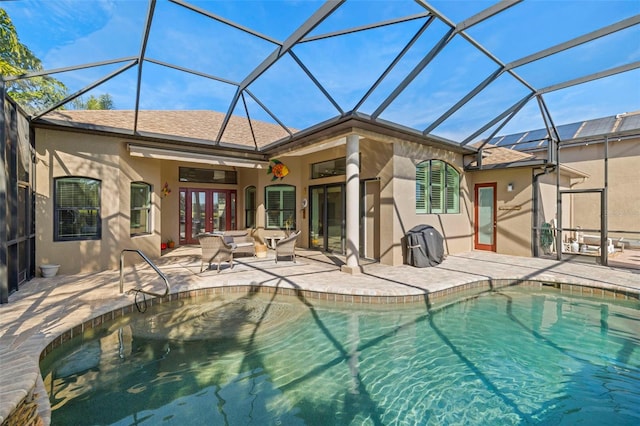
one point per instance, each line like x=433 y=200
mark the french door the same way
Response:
x=327 y=218
x=205 y=210
x=485 y=217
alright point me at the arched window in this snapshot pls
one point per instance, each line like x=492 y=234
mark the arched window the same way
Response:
x=280 y=203
x=76 y=209
x=250 y=207
x=437 y=188
x=140 y=222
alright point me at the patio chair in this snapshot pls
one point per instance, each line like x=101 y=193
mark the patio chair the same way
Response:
x=245 y=243
x=287 y=246
x=215 y=249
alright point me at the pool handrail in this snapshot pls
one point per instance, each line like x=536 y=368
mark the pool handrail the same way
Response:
x=153 y=265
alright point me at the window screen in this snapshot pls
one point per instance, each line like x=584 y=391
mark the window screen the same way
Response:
x=77 y=209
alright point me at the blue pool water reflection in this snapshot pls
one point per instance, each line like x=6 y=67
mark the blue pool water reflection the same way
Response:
x=514 y=356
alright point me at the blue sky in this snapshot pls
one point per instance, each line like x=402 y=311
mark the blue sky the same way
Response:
x=64 y=33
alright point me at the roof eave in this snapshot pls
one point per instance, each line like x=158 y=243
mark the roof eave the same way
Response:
x=352 y=123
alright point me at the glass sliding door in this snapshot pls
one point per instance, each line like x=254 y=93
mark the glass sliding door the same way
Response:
x=326 y=220
x=316 y=219
x=335 y=204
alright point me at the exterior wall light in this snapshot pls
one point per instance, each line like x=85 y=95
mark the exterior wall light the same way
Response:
x=509 y=187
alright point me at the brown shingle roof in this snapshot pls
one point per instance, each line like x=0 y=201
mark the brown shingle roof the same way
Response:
x=203 y=125
x=493 y=155
x=498 y=155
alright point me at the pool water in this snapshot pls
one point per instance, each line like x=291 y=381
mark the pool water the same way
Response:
x=514 y=356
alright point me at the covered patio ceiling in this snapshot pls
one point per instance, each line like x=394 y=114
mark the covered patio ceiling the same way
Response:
x=282 y=74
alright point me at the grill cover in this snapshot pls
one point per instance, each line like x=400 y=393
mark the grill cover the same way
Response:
x=424 y=246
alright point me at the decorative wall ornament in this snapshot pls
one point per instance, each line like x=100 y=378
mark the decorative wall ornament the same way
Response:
x=278 y=169
x=166 y=190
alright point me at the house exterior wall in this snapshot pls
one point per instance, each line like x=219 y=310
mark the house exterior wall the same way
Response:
x=390 y=161
x=514 y=209
x=303 y=164
x=393 y=163
x=264 y=179
x=98 y=157
x=623 y=182
x=170 y=205
x=515 y=215
x=399 y=198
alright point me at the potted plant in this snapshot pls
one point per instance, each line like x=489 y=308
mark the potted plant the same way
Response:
x=163 y=246
x=171 y=243
x=288 y=224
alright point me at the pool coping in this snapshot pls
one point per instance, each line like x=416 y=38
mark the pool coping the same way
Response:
x=20 y=379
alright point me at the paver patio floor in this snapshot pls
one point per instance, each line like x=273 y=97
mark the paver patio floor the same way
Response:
x=44 y=308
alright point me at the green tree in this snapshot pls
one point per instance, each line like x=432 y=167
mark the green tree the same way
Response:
x=103 y=101
x=32 y=94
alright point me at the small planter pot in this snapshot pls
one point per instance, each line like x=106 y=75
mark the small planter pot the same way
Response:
x=49 y=271
x=163 y=246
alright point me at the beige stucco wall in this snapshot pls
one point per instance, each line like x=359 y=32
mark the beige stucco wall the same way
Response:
x=390 y=161
x=170 y=205
x=514 y=209
x=262 y=179
x=399 y=199
x=515 y=215
x=623 y=183
x=98 y=157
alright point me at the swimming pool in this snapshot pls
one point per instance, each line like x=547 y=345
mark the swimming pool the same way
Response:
x=513 y=356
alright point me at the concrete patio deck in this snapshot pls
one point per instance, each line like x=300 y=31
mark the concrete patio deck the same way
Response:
x=46 y=309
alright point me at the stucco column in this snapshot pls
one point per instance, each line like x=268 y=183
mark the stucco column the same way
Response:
x=353 y=205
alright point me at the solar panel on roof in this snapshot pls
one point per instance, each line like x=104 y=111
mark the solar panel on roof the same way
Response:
x=510 y=139
x=597 y=127
x=630 y=122
x=535 y=135
x=530 y=145
x=568 y=131
x=496 y=140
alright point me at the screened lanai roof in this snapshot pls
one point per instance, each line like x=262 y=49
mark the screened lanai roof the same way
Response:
x=456 y=71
